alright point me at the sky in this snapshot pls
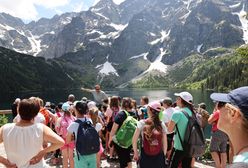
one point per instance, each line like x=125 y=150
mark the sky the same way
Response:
x=29 y=10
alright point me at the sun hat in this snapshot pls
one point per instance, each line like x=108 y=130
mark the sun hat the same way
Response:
x=66 y=106
x=155 y=106
x=237 y=97
x=186 y=96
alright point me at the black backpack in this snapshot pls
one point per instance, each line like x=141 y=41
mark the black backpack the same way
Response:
x=194 y=142
x=87 y=141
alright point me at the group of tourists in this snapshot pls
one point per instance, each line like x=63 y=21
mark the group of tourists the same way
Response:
x=157 y=134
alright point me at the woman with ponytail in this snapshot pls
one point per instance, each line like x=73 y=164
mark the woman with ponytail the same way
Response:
x=154 y=139
x=178 y=124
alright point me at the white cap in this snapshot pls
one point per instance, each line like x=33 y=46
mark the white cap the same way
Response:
x=91 y=104
x=185 y=96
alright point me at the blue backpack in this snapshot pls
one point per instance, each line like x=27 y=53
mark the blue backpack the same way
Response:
x=87 y=141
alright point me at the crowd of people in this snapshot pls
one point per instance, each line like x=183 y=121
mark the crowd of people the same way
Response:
x=82 y=132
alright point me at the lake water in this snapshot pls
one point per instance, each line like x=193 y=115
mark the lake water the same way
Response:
x=153 y=94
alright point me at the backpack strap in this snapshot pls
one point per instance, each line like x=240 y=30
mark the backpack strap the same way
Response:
x=126 y=113
x=188 y=117
x=179 y=136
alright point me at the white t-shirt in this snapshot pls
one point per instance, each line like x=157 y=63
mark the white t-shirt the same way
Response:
x=23 y=143
x=73 y=127
x=37 y=119
x=141 y=125
x=167 y=114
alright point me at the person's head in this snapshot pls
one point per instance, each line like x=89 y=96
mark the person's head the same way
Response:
x=202 y=105
x=144 y=100
x=126 y=103
x=134 y=104
x=48 y=105
x=38 y=100
x=17 y=101
x=114 y=101
x=28 y=109
x=184 y=99
x=91 y=104
x=93 y=113
x=167 y=102
x=233 y=114
x=97 y=88
x=153 y=120
x=81 y=108
x=71 y=98
x=66 y=108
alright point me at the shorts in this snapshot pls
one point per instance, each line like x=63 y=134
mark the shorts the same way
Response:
x=157 y=161
x=70 y=145
x=123 y=155
x=218 y=142
x=85 y=161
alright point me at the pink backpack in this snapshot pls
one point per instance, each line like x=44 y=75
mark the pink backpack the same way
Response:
x=64 y=123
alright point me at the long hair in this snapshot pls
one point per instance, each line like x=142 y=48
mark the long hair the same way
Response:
x=151 y=124
x=93 y=112
x=114 y=102
x=190 y=106
x=126 y=103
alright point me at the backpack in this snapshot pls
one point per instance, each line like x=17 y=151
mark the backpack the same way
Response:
x=64 y=124
x=194 y=142
x=87 y=141
x=154 y=146
x=204 y=115
x=124 y=135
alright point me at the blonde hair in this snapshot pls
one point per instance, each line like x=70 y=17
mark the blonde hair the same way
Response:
x=93 y=113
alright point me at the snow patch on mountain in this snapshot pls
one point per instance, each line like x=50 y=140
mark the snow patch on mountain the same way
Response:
x=235 y=5
x=244 y=23
x=101 y=15
x=164 y=36
x=107 y=69
x=35 y=44
x=118 y=27
x=199 y=48
x=144 y=55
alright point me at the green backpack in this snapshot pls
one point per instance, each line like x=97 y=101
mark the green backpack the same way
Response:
x=124 y=135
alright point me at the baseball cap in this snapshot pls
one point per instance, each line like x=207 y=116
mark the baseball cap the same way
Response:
x=237 y=97
x=155 y=106
x=91 y=104
x=66 y=106
x=186 y=96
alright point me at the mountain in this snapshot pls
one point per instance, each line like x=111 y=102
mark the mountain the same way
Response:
x=134 y=42
x=21 y=72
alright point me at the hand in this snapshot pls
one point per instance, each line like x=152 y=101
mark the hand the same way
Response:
x=7 y=164
x=136 y=156
x=37 y=158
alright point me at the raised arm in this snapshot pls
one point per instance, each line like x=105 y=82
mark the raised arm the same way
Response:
x=86 y=90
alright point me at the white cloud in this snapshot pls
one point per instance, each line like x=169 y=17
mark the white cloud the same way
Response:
x=96 y=1
x=26 y=9
x=118 y=2
x=78 y=7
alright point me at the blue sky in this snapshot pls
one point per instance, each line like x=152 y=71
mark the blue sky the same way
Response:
x=29 y=10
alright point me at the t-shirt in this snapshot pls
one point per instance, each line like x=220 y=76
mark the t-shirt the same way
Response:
x=121 y=116
x=73 y=127
x=167 y=114
x=37 y=119
x=216 y=115
x=182 y=121
x=99 y=96
x=243 y=157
